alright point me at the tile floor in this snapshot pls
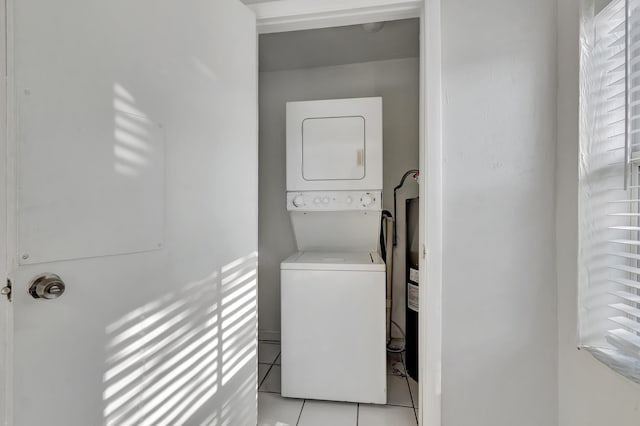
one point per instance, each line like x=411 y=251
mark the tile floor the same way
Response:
x=274 y=410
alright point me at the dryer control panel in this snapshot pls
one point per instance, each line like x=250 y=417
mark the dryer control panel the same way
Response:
x=334 y=201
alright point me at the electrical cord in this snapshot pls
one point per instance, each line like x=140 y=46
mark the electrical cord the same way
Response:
x=384 y=238
x=383 y=248
x=404 y=339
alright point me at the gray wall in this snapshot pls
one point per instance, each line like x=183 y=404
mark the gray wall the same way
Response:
x=499 y=285
x=590 y=393
x=398 y=83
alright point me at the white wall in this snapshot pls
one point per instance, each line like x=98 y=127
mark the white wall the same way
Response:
x=398 y=83
x=589 y=393
x=499 y=285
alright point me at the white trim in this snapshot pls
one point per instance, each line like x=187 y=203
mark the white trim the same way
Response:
x=292 y=15
x=4 y=304
x=431 y=166
x=7 y=209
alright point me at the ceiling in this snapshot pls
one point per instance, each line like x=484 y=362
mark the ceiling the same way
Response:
x=339 y=46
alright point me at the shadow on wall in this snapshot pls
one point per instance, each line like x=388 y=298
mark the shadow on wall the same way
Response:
x=171 y=361
x=133 y=130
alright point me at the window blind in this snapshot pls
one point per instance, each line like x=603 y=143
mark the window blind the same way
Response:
x=609 y=199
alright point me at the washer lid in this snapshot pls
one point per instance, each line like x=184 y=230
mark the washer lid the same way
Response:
x=334 y=261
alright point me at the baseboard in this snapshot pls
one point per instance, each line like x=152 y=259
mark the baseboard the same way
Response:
x=269 y=335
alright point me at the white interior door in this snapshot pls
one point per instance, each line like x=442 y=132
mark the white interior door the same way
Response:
x=136 y=183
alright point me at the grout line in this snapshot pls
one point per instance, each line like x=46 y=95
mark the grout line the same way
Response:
x=413 y=404
x=397 y=405
x=300 y=415
x=415 y=411
x=358 y=415
x=279 y=393
x=265 y=377
x=406 y=377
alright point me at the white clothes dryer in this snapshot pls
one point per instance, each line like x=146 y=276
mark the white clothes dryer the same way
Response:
x=334 y=145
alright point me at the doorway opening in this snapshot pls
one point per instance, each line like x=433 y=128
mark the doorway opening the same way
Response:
x=378 y=59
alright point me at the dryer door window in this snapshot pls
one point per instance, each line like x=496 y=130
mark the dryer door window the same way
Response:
x=333 y=148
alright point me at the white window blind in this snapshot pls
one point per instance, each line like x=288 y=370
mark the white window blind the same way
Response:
x=609 y=199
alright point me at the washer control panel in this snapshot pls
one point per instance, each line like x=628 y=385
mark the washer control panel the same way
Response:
x=334 y=200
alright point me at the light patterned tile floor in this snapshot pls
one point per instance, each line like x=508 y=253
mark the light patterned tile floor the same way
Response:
x=274 y=410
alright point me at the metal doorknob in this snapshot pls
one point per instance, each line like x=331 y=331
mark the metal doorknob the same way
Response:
x=47 y=286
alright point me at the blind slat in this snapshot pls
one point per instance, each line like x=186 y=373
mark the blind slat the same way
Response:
x=625 y=341
x=628 y=323
x=626 y=255
x=627 y=309
x=627 y=283
x=627 y=296
x=625 y=268
x=627 y=242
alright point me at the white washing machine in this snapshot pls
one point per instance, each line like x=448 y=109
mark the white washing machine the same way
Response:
x=333 y=330
x=333 y=289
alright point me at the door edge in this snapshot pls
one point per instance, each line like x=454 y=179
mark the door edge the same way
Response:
x=7 y=208
x=431 y=216
x=4 y=258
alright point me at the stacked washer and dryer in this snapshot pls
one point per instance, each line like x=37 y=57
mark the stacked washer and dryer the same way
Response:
x=333 y=288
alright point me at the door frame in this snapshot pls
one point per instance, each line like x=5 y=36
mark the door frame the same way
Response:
x=293 y=15
x=5 y=305
x=8 y=190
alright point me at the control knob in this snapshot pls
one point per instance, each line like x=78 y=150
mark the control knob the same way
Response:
x=298 y=201
x=367 y=199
